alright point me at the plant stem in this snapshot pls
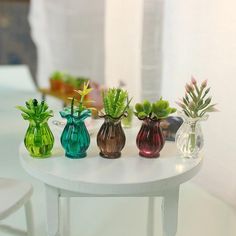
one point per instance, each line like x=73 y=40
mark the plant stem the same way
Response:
x=72 y=106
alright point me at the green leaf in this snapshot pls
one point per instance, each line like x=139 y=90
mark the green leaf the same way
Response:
x=205 y=104
x=155 y=108
x=162 y=114
x=142 y=115
x=139 y=107
x=27 y=105
x=25 y=116
x=208 y=109
x=162 y=104
x=25 y=110
x=206 y=92
x=147 y=107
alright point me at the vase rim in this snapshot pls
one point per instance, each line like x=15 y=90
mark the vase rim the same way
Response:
x=149 y=118
x=102 y=115
x=66 y=114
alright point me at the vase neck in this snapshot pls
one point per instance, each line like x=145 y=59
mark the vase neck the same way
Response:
x=191 y=120
x=37 y=123
x=112 y=120
x=74 y=119
x=151 y=122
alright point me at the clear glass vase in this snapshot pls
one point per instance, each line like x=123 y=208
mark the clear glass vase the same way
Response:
x=75 y=138
x=189 y=137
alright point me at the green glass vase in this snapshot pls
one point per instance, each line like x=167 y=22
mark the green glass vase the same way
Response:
x=75 y=138
x=39 y=139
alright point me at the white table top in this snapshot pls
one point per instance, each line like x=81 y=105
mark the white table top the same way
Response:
x=96 y=175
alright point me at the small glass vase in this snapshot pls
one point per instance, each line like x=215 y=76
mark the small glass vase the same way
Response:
x=75 y=138
x=111 y=137
x=150 y=139
x=127 y=120
x=39 y=139
x=189 y=137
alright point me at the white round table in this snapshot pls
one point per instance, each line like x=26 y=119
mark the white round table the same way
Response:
x=129 y=175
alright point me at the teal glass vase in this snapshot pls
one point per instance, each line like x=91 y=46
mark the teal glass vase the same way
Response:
x=75 y=138
x=39 y=139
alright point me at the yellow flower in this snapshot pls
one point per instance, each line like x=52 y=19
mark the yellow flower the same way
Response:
x=85 y=90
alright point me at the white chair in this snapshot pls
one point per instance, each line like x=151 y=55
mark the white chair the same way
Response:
x=13 y=195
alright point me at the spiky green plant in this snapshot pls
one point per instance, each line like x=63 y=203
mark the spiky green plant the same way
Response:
x=195 y=103
x=156 y=111
x=35 y=111
x=115 y=101
x=78 y=106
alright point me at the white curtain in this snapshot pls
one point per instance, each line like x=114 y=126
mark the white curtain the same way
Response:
x=110 y=41
x=124 y=44
x=200 y=40
x=153 y=17
x=69 y=36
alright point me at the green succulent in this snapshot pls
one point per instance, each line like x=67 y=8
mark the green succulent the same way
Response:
x=57 y=75
x=35 y=111
x=115 y=101
x=157 y=110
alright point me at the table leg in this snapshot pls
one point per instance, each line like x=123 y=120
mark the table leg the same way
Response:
x=52 y=204
x=29 y=218
x=170 y=211
x=65 y=216
x=43 y=97
x=150 y=223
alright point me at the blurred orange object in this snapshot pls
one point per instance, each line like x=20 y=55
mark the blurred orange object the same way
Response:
x=56 y=85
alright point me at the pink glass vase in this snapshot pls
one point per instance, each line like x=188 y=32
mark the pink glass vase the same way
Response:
x=150 y=139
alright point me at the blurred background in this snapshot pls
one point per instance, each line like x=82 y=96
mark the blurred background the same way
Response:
x=149 y=47
x=16 y=45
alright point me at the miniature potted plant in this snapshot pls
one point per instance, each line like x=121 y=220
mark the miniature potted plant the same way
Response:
x=69 y=84
x=56 y=81
x=38 y=139
x=75 y=138
x=150 y=138
x=79 y=81
x=195 y=106
x=111 y=137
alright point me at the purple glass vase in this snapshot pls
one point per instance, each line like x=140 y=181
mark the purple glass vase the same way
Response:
x=150 y=139
x=111 y=137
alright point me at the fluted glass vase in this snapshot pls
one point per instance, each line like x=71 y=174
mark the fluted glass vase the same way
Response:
x=39 y=139
x=75 y=138
x=189 y=137
x=150 y=139
x=111 y=137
